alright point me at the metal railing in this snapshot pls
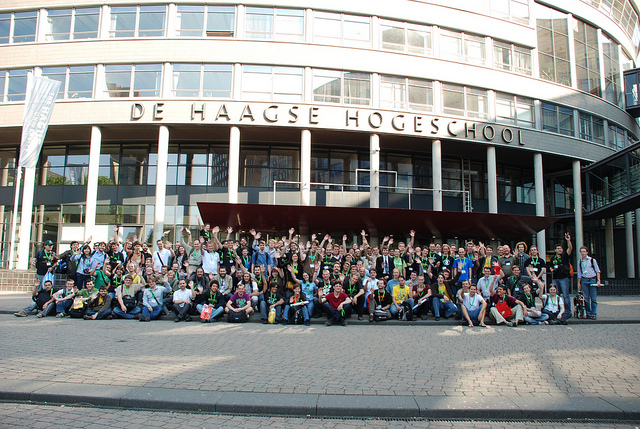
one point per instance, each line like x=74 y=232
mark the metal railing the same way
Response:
x=466 y=195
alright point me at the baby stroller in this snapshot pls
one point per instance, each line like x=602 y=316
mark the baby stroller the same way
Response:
x=580 y=311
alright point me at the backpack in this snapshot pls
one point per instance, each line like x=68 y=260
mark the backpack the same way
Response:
x=407 y=311
x=78 y=308
x=237 y=317
x=379 y=315
x=297 y=318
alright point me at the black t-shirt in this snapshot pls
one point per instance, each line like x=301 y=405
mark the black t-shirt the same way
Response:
x=352 y=289
x=447 y=262
x=537 y=264
x=42 y=297
x=44 y=260
x=560 y=265
x=205 y=234
x=382 y=297
x=271 y=298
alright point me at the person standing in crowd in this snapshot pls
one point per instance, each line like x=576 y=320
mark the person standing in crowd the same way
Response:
x=45 y=260
x=561 y=269
x=589 y=281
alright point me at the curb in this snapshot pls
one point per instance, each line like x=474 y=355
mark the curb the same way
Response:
x=319 y=405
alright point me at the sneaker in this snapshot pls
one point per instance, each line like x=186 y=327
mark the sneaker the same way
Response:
x=20 y=314
x=143 y=319
x=60 y=315
x=187 y=319
x=360 y=318
x=437 y=319
x=87 y=317
x=509 y=324
x=423 y=316
x=329 y=322
x=371 y=318
x=177 y=319
x=137 y=316
x=343 y=322
x=40 y=315
x=265 y=321
x=109 y=317
x=307 y=323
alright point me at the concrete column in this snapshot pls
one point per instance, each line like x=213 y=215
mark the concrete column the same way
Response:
x=161 y=182
x=436 y=166
x=25 y=220
x=577 y=200
x=92 y=181
x=234 y=164
x=374 y=172
x=538 y=178
x=608 y=240
x=628 y=229
x=492 y=179
x=305 y=167
x=638 y=236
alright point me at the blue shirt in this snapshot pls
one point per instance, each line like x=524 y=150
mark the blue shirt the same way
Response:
x=467 y=268
x=308 y=288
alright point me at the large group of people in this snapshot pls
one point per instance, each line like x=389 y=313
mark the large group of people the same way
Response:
x=289 y=281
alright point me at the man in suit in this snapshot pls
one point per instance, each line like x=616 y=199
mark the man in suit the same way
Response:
x=384 y=264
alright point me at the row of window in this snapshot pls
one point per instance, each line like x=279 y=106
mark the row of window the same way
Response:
x=622 y=12
x=286 y=84
x=554 y=37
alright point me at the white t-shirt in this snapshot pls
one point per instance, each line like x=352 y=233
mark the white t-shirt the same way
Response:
x=473 y=303
x=210 y=261
x=160 y=258
x=483 y=286
x=180 y=295
x=553 y=304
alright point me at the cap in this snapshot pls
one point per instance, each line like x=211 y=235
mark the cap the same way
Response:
x=48 y=243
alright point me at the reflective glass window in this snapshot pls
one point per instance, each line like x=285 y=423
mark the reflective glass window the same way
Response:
x=17 y=84
x=24 y=26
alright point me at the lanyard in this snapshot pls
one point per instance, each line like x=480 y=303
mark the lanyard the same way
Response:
x=213 y=298
x=472 y=302
x=381 y=296
x=312 y=256
x=272 y=298
x=536 y=262
x=246 y=261
x=529 y=299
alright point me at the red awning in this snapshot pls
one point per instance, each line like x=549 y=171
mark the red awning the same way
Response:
x=376 y=222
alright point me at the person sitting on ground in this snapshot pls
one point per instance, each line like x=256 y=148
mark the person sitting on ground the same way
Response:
x=401 y=294
x=239 y=302
x=126 y=295
x=211 y=297
x=506 y=309
x=335 y=305
x=309 y=289
x=226 y=283
x=99 y=306
x=88 y=292
x=42 y=296
x=64 y=298
x=553 y=306
x=273 y=300
x=473 y=307
x=442 y=297
x=152 y=300
x=198 y=278
x=422 y=298
x=355 y=292
x=533 y=316
x=380 y=300
x=296 y=299
x=182 y=302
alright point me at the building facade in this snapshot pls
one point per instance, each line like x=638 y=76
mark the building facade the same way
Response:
x=460 y=105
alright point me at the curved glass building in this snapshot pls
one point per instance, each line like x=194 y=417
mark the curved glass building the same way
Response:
x=469 y=106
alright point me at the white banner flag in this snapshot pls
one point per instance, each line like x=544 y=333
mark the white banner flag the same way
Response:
x=38 y=106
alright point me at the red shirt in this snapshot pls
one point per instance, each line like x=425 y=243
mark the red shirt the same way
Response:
x=335 y=302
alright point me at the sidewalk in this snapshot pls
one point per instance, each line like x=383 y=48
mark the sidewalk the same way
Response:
x=423 y=369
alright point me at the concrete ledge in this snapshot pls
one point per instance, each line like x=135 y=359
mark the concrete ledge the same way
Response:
x=569 y=407
x=468 y=407
x=78 y=393
x=171 y=399
x=630 y=407
x=367 y=406
x=267 y=403
x=20 y=390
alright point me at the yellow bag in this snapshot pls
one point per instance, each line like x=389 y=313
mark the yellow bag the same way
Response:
x=78 y=303
x=272 y=316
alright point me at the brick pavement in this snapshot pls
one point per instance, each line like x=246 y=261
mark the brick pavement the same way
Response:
x=575 y=370
x=43 y=416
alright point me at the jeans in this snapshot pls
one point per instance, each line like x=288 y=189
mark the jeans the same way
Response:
x=287 y=312
x=536 y=320
x=102 y=315
x=48 y=309
x=359 y=306
x=29 y=308
x=394 y=309
x=335 y=315
x=421 y=309
x=449 y=308
x=563 y=289
x=217 y=312
x=154 y=313
x=554 y=316
x=590 y=292
x=81 y=279
x=182 y=310
x=128 y=314
x=264 y=311
x=63 y=306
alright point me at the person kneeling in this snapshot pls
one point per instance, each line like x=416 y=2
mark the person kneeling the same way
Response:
x=335 y=305
x=239 y=306
x=99 y=306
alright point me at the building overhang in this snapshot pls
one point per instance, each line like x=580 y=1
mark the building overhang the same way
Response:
x=375 y=221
